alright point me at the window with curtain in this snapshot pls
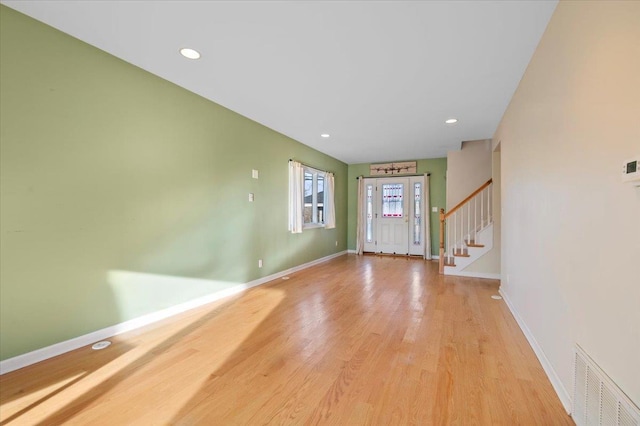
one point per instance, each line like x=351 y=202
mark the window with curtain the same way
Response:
x=310 y=198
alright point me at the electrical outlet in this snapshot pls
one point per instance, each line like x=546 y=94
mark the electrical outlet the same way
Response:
x=251 y=197
x=254 y=174
x=336 y=243
x=259 y=263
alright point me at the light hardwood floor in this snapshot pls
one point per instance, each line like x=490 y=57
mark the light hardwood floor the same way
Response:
x=354 y=341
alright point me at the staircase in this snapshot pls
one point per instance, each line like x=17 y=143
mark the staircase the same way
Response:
x=466 y=231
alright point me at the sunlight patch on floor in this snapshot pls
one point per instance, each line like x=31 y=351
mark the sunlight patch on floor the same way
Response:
x=153 y=352
x=11 y=408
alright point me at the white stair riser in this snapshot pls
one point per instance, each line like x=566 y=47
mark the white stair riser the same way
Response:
x=484 y=237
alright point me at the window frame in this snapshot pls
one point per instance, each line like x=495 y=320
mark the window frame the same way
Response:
x=314 y=197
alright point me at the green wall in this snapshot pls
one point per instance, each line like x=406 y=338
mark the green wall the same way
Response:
x=115 y=182
x=437 y=191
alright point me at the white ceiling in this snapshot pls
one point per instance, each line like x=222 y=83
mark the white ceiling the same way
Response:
x=380 y=77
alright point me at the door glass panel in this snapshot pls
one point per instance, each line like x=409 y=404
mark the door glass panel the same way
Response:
x=392 y=200
x=369 y=213
x=417 y=204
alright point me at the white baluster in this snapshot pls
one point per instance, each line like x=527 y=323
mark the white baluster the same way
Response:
x=455 y=231
x=490 y=189
x=475 y=219
x=462 y=230
x=445 y=237
x=449 y=240
x=461 y=237
x=482 y=210
x=468 y=223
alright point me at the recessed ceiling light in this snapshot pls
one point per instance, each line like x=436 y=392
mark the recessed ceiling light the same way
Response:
x=325 y=135
x=451 y=121
x=190 y=53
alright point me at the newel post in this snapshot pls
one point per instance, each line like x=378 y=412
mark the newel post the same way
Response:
x=441 y=264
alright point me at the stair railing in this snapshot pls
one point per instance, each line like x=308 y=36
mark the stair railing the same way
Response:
x=460 y=226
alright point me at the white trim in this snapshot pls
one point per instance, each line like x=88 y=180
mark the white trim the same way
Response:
x=434 y=257
x=313 y=225
x=561 y=391
x=56 y=349
x=487 y=275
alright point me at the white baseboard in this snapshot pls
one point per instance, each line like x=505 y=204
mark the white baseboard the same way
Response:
x=561 y=391
x=56 y=349
x=433 y=257
x=487 y=275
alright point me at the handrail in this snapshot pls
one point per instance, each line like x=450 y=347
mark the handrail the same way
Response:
x=463 y=202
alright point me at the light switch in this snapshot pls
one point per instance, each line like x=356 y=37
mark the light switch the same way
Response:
x=251 y=196
x=254 y=174
x=434 y=209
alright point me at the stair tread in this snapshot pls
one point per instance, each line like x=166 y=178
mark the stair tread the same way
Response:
x=461 y=255
x=474 y=245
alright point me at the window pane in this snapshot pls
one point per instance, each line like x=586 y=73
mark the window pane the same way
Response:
x=307 y=213
x=308 y=185
x=369 y=208
x=392 y=200
x=320 y=198
x=313 y=197
x=320 y=189
x=308 y=197
x=417 y=220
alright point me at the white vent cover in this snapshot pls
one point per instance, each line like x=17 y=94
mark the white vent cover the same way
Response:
x=597 y=400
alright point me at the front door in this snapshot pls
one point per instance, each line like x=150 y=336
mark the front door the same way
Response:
x=393 y=216
x=394 y=208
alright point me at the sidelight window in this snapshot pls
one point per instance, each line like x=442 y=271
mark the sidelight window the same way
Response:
x=369 y=207
x=417 y=219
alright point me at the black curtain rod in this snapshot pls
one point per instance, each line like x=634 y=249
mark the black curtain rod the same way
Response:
x=373 y=177
x=313 y=167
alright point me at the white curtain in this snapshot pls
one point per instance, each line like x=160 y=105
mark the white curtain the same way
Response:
x=296 y=197
x=360 y=221
x=329 y=202
x=427 y=219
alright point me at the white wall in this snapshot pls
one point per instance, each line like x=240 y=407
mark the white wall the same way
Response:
x=570 y=228
x=467 y=170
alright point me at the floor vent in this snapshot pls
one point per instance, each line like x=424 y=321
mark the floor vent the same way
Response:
x=597 y=400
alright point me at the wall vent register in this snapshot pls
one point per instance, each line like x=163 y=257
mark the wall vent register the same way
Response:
x=597 y=400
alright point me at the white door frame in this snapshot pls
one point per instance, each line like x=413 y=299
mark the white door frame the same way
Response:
x=415 y=242
x=393 y=224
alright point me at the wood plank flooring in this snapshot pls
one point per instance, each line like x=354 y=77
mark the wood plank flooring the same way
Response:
x=355 y=341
